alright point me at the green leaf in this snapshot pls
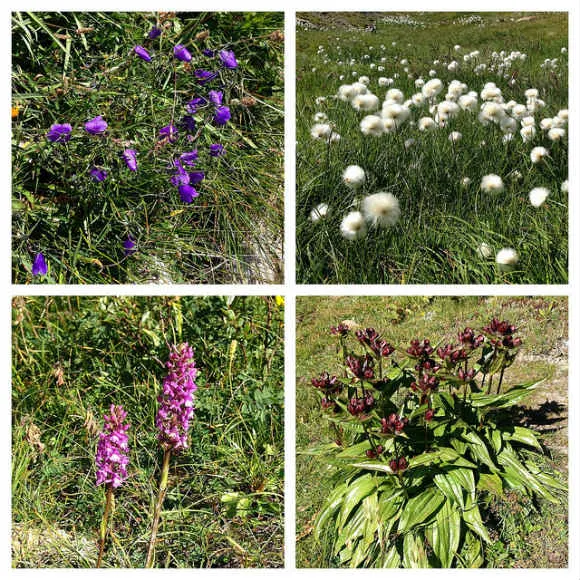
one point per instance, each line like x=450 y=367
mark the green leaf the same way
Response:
x=357 y=450
x=472 y=518
x=471 y=555
x=507 y=399
x=420 y=508
x=490 y=482
x=392 y=558
x=451 y=487
x=446 y=532
x=331 y=506
x=373 y=466
x=414 y=555
x=479 y=449
x=525 y=436
x=357 y=491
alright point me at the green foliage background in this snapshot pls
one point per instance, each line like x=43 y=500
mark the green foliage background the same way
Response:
x=75 y=356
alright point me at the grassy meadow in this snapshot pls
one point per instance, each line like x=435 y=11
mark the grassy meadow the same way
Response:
x=524 y=534
x=445 y=225
x=79 y=204
x=73 y=357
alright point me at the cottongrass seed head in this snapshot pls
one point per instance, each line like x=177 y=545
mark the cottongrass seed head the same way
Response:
x=537 y=154
x=507 y=259
x=492 y=183
x=319 y=212
x=484 y=251
x=353 y=176
x=381 y=209
x=353 y=226
x=538 y=196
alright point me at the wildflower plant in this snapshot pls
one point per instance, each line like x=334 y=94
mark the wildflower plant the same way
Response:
x=419 y=446
x=175 y=412
x=149 y=136
x=111 y=464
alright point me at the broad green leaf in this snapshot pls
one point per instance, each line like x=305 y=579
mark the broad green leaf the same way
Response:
x=392 y=558
x=446 y=532
x=353 y=530
x=357 y=450
x=479 y=449
x=525 y=436
x=331 y=506
x=358 y=489
x=450 y=486
x=373 y=466
x=414 y=555
x=490 y=482
x=420 y=508
x=472 y=518
x=471 y=555
x=507 y=399
x=547 y=479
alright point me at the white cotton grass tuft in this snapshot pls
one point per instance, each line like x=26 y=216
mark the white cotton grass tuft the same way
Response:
x=507 y=259
x=372 y=125
x=492 y=183
x=564 y=187
x=321 y=131
x=484 y=251
x=556 y=133
x=537 y=154
x=353 y=226
x=319 y=212
x=366 y=102
x=455 y=136
x=466 y=182
x=538 y=196
x=381 y=209
x=354 y=176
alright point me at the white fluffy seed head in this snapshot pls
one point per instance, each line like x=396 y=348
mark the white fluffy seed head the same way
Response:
x=395 y=95
x=381 y=209
x=353 y=176
x=556 y=133
x=528 y=133
x=484 y=251
x=426 y=124
x=353 y=226
x=455 y=136
x=564 y=187
x=366 y=102
x=492 y=183
x=321 y=131
x=537 y=154
x=507 y=259
x=319 y=212
x=432 y=87
x=538 y=196
x=372 y=125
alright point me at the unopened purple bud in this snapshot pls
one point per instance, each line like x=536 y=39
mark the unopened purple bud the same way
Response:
x=98 y=174
x=216 y=150
x=204 y=76
x=222 y=115
x=154 y=33
x=216 y=97
x=228 y=58
x=39 y=267
x=181 y=53
x=142 y=53
x=130 y=157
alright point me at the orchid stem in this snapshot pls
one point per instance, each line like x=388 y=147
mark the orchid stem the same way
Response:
x=104 y=522
x=158 y=506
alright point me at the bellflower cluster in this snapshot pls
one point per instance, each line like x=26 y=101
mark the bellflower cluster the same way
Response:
x=176 y=400
x=112 y=459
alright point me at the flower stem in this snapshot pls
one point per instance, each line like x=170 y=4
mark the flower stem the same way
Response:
x=158 y=506
x=104 y=522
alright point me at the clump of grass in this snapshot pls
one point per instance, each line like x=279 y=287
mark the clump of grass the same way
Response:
x=74 y=357
x=72 y=67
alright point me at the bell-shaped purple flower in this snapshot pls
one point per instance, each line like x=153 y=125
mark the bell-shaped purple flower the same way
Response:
x=195 y=103
x=113 y=448
x=59 y=133
x=98 y=174
x=142 y=53
x=154 y=33
x=187 y=193
x=208 y=52
x=222 y=115
x=130 y=158
x=96 y=126
x=189 y=157
x=176 y=399
x=228 y=58
x=188 y=124
x=216 y=150
x=39 y=267
x=196 y=177
x=204 y=76
x=169 y=132
x=129 y=245
x=216 y=97
x=181 y=53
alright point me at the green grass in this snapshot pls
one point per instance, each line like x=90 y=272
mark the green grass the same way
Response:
x=75 y=356
x=442 y=223
x=522 y=537
x=230 y=233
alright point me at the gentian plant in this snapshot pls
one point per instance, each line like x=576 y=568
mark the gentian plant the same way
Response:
x=419 y=445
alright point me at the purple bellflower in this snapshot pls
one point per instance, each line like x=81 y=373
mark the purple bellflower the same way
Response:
x=59 y=133
x=98 y=174
x=39 y=267
x=195 y=103
x=216 y=150
x=208 y=52
x=142 y=53
x=154 y=33
x=189 y=157
x=222 y=115
x=216 y=97
x=169 y=132
x=196 y=177
x=228 y=58
x=112 y=459
x=204 y=76
x=96 y=126
x=181 y=53
x=187 y=193
x=130 y=158
x=176 y=399
x=129 y=246
x=188 y=124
